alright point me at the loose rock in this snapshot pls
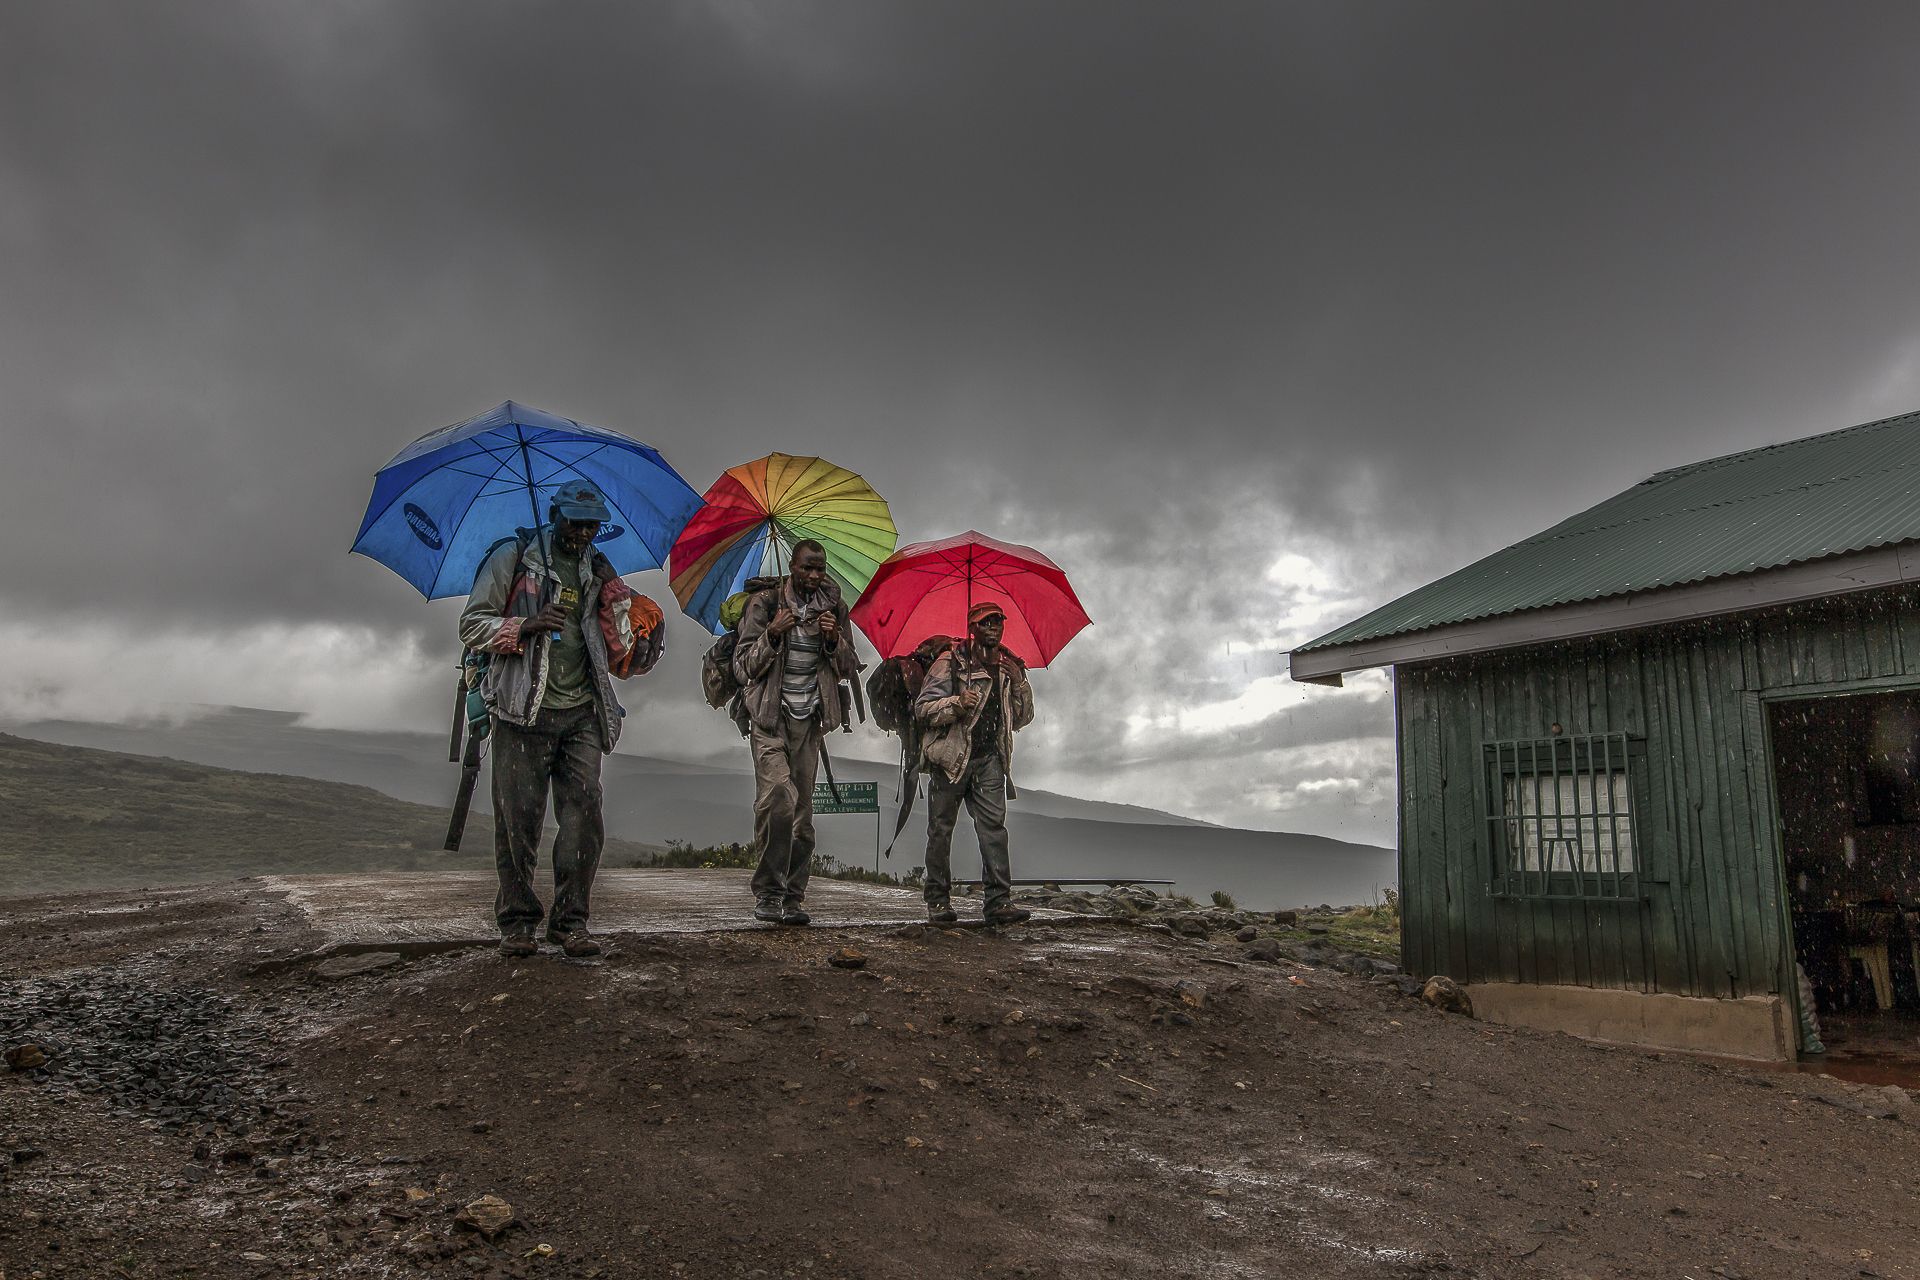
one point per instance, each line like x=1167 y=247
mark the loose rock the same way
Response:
x=1263 y=949
x=348 y=966
x=1446 y=995
x=26 y=1057
x=489 y=1215
x=847 y=958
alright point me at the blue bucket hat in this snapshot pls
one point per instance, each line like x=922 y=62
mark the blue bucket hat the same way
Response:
x=581 y=502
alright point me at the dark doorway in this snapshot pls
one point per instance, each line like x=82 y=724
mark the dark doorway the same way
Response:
x=1847 y=777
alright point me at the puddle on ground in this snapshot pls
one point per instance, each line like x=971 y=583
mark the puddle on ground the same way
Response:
x=1285 y=1186
x=1864 y=1068
x=1085 y=948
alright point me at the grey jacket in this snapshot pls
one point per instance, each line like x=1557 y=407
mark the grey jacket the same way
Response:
x=759 y=658
x=947 y=743
x=506 y=592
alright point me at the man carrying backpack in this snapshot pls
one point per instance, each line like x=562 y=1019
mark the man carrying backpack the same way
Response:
x=794 y=649
x=553 y=710
x=976 y=694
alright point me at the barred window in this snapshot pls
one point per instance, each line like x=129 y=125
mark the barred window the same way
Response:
x=1561 y=815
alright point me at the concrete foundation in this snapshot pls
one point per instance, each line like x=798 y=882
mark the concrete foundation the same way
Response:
x=1757 y=1027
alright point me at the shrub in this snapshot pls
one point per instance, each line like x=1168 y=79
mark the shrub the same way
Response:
x=1223 y=900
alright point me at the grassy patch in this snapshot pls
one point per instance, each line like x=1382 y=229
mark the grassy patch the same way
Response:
x=79 y=818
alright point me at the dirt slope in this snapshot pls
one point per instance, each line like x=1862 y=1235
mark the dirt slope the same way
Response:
x=1042 y=1101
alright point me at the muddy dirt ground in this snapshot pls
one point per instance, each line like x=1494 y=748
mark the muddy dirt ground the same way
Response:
x=1045 y=1100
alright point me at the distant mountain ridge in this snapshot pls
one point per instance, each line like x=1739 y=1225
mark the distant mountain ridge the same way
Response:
x=653 y=801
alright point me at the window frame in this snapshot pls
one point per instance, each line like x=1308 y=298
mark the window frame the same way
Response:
x=1583 y=757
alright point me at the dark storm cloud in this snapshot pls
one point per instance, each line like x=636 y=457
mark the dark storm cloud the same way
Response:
x=1171 y=291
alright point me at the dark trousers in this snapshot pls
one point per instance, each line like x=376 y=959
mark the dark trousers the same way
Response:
x=984 y=789
x=562 y=752
x=783 y=769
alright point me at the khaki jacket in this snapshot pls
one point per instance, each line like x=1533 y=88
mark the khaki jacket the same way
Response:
x=759 y=659
x=947 y=743
x=506 y=592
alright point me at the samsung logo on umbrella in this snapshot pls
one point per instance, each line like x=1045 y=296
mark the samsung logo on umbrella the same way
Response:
x=423 y=526
x=609 y=533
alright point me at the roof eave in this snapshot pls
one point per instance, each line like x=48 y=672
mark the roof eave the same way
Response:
x=1883 y=566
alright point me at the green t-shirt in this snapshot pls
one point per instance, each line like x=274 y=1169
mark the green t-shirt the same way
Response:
x=569 y=683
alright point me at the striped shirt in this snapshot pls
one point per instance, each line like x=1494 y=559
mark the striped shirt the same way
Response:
x=800 y=680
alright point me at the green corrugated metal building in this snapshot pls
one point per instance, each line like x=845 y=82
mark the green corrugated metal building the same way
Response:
x=1654 y=755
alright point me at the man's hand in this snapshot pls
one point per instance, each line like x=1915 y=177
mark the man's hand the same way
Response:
x=551 y=618
x=829 y=626
x=969 y=698
x=783 y=621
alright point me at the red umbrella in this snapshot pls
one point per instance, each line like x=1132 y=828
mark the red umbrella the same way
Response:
x=926 y=588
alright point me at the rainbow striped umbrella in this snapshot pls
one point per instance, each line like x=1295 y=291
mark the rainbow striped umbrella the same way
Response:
x=753 y=515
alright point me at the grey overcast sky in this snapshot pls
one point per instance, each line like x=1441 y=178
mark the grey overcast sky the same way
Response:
x=1253 y=315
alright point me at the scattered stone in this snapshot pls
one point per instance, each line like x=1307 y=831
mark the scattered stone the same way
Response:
x=348 y=966
x=1446 y=995
x=1247 y=934
x=481 y=1126
x=489 y=1215
x=847 y=958
x=860 y=1020
x=1263 y=949
x=1868 y=1102
x=1286 y=917
x=26 y=1057
x=1191 y=994
x=1190 y=926
x=911 y=932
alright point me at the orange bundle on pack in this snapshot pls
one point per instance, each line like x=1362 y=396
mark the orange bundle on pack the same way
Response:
x=633 y=627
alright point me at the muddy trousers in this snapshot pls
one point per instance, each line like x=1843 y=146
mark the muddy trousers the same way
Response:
x=784 y=763
x=984 y=789
x=560 y=752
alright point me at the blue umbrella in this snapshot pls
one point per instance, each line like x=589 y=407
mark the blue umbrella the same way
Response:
x=451 y=494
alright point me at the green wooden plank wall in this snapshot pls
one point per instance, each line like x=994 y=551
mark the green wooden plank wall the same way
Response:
x=1710 y=921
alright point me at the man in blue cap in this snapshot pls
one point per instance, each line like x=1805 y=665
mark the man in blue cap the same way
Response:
x=535 y=609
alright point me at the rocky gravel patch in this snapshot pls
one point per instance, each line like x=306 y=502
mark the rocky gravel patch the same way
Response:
x=186 y=1057
x=1301 y=935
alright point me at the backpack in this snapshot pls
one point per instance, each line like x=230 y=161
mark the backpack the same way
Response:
x=891 y=691
x=896 y=682
x=717 y=681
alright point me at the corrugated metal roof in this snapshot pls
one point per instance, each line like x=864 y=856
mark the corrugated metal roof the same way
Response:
x=1844 y=491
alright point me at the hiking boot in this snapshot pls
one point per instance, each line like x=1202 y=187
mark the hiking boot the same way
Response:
x=772 y=910
x=518 y=942
x=1007 y=913
x=575 y=942
x=941 y=912
x=791 y=913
